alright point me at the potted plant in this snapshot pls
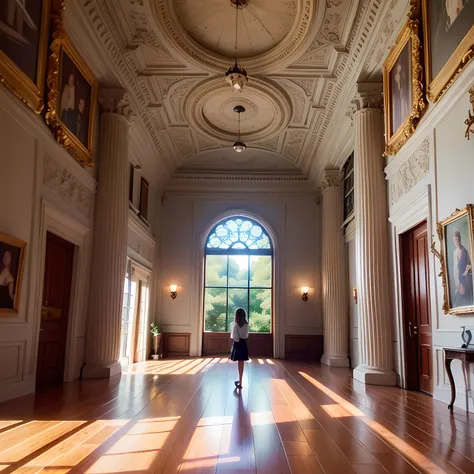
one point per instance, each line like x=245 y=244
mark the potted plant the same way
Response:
x=156 y=332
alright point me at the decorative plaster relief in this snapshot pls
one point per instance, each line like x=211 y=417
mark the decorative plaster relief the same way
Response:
x=183 y=142
x=411 y=172
x=293 y=143
x=329 y=36
x=66 y=186
x=208 y=110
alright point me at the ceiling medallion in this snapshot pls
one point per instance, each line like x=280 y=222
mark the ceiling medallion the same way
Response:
x=239 y=146
x=236 y=75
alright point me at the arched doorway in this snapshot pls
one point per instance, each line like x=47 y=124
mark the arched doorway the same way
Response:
x=238 y=272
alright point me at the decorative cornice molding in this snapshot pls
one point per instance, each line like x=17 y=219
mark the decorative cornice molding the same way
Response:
x=224 y=177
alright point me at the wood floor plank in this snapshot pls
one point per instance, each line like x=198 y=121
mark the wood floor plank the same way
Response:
x=185 y=415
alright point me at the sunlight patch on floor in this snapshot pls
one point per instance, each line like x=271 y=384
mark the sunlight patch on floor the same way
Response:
x=390 y=438
x=263 y=418
x=336 y=411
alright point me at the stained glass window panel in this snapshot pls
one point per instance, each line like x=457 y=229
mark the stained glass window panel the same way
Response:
x=239 y=233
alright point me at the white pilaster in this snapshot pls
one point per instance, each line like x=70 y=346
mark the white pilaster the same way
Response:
x=336 y=325
x=110 y=244
x=370 y=196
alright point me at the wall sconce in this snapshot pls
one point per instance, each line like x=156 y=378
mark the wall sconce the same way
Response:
x=304 y=296
x=354 y=294
x=173 y=291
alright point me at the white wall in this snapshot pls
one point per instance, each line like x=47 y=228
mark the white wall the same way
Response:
x=431 y=177
x=41 y=188
x=296 y=224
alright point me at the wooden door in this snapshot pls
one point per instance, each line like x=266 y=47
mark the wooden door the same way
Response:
x=55 y=310
x=417 y=313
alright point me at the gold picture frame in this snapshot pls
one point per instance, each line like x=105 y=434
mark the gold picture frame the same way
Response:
x=12 y=77
x=63 y=57
x=457 y=279
x=438 y=84
x=401 y=121
x=12 y=262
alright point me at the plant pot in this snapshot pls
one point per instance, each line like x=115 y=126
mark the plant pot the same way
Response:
x=156 y=346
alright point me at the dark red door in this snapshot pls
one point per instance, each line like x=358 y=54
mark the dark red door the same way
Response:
x=55 y=310
x=417 y=314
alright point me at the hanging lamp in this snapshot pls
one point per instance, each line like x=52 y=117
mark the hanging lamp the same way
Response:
x=239 y=146
x=236 y=76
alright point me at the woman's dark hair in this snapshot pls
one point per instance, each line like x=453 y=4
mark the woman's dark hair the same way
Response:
x=240 y=317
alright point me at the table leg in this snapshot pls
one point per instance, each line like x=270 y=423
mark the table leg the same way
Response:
x=447 y=365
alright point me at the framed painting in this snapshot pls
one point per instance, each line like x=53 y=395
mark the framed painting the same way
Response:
x=24 y=32
x=12 y=259
x=403 y=88
x=72 y=97
x=448 y=27
x=456 y=237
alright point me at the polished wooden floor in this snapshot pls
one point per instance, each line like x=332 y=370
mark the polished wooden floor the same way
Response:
x=185 y=416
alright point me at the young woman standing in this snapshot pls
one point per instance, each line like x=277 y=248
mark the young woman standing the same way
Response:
x=239 y=332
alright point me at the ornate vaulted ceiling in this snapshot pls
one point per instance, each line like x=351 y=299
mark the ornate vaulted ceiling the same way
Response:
x=171 y=55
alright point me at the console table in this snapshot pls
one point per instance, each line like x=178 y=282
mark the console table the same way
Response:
x=450 y=354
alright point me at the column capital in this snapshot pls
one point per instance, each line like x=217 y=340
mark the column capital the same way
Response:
x=368 y=95
x=332 y=178
x=116 y=101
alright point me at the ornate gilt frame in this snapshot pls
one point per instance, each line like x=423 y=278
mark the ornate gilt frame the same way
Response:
x=410 y=31
x=441 y=255
x=31 y=93
x=8 y=239
x=438 y=86
x=61 y=42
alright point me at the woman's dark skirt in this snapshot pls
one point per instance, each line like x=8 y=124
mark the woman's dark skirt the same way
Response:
x=240 y=350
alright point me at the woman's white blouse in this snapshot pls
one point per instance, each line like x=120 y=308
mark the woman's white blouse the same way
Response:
x=237 y=333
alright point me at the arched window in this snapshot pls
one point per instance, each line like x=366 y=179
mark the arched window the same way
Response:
x=238 y=274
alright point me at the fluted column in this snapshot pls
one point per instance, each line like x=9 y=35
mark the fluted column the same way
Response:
x=110 y=242
x=336 y=325
x=375 y=313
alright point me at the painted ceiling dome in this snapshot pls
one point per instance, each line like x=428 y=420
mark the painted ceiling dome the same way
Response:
x=271 y=32
x=262 y=24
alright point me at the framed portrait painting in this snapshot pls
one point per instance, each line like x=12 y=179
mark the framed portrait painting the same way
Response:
x=24 y=32
x=455 y=234
x=403 y=89
x=448 y=27
x=12 y=256
x=72 y=98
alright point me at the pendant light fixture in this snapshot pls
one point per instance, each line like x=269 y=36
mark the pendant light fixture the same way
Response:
x=239 y=146
x=236 y=76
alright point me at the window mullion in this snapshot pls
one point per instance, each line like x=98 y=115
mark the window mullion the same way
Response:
x=227 y=298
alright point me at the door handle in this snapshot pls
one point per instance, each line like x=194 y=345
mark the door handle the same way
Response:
x=409 y=329
x=415 y=328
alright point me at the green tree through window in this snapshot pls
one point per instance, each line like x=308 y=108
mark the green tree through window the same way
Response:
x=239 y=274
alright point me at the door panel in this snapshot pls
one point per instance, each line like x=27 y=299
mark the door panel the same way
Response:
x=416 y=306
x=55 y=310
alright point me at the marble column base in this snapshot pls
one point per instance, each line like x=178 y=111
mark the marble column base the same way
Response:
x=101 y=371
x=371 y=376
x=335 y=361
